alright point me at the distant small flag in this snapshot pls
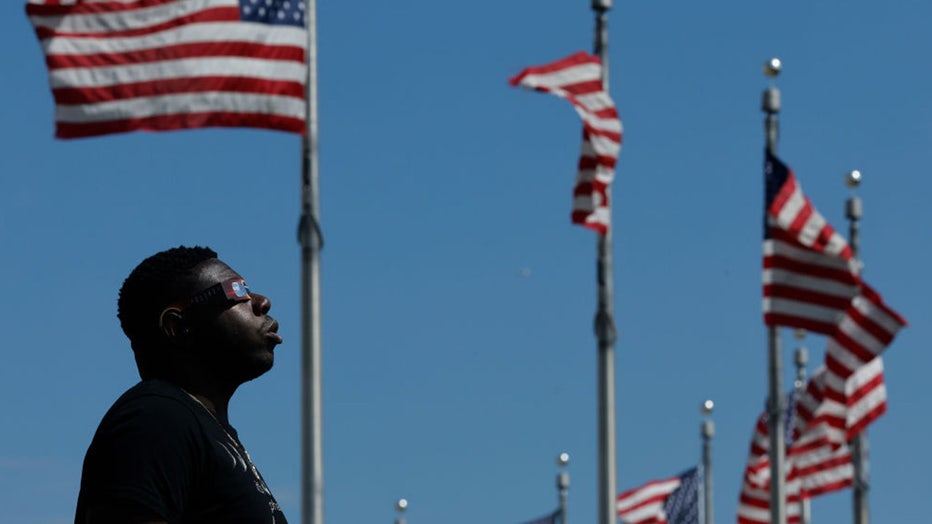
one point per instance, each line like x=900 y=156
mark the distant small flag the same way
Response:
x=863 y=333
x=578 y=79
x=754 y=504
x=837 y=410
x=670 y=501
x=754 y=499
x=757 y=469
x=821 y=470
x=158 y=65
x=552 y=518
x=818 y=455
x=820 y=422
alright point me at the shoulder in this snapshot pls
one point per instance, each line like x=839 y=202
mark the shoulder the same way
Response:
x=153 y=390
x=154 y=397
x=148 y=451
x=152 y=411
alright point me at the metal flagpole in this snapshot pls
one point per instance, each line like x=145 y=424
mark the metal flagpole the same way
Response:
x=604 y=320
x=311 y=241
x=859 y=443
x=563 y=484
x=708 y=431
x=802 y=358
x=776 y=404
x=400 y=508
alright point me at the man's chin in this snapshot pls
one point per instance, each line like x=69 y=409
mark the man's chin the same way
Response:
x=258 y=367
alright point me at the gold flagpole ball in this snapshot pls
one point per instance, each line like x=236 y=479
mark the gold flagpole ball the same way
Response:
x=563 y=459
x=853 y=178
x=773 y=67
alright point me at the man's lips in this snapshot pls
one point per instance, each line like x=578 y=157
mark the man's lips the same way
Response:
x=271 y=331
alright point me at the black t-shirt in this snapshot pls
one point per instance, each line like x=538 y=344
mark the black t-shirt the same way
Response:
x=160 y=448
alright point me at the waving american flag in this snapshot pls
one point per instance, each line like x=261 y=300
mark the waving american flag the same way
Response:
x=578 y=79
x=125 y=65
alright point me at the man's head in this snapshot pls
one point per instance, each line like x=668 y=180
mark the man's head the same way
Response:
x=186 y=312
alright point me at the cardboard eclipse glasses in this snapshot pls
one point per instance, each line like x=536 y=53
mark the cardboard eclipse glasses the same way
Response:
x=230 y=290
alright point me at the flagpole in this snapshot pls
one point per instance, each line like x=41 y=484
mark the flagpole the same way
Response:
x=604 y=320
x=776 y=407
x=707 y=431
x=859 y=458
x=311 y=241
x=802 y=358
x=400 y=508
x=563 y=484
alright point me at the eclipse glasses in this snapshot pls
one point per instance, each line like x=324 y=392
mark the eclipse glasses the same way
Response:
x=222 y=293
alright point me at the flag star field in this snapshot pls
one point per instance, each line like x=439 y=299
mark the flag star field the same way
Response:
x=282 y=12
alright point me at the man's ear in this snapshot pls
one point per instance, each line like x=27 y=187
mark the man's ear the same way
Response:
x=173 y=324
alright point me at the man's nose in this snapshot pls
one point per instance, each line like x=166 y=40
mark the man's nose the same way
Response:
x=260 y=303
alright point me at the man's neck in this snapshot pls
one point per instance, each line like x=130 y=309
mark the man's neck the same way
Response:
x=215 y=399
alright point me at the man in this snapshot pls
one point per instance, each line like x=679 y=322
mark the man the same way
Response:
x=165 y=451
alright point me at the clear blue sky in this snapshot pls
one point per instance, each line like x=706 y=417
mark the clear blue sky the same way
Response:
x=459 y=357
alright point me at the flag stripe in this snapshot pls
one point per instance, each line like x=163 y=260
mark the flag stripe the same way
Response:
x=216 y=14
x=189 y=68
x=187 y=120
x=92 y=6
x=109 y=18
x=204 y=102
x=196 y=33
x=177 y=52
x=76 y=96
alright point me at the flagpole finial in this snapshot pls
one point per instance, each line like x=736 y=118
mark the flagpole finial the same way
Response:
x=707 y=407
x=770 y=102
x=400 y=506
x=773 y=67
x=601 y=5
x=853 y=178
x=563 y=459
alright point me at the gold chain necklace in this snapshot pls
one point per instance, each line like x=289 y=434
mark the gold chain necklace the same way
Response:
x=236 y=443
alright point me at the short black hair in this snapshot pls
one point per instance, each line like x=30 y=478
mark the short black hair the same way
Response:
x=151 y=286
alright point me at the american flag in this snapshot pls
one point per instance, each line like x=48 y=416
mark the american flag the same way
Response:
x=811 y=281
x=754 y=504
x=820 y=422
x=551 y=518
x=863 y=333
x=810 y=470
x=670 y=501
x=123 y=65
x=578 y=79
x=818 y=455
x=836 y=410
x=757 y=470
x=810 y=274
x=838 y=403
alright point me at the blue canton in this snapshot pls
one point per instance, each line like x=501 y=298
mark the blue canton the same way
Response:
x=682 y=506
x=274 y=12
x=775 y=175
